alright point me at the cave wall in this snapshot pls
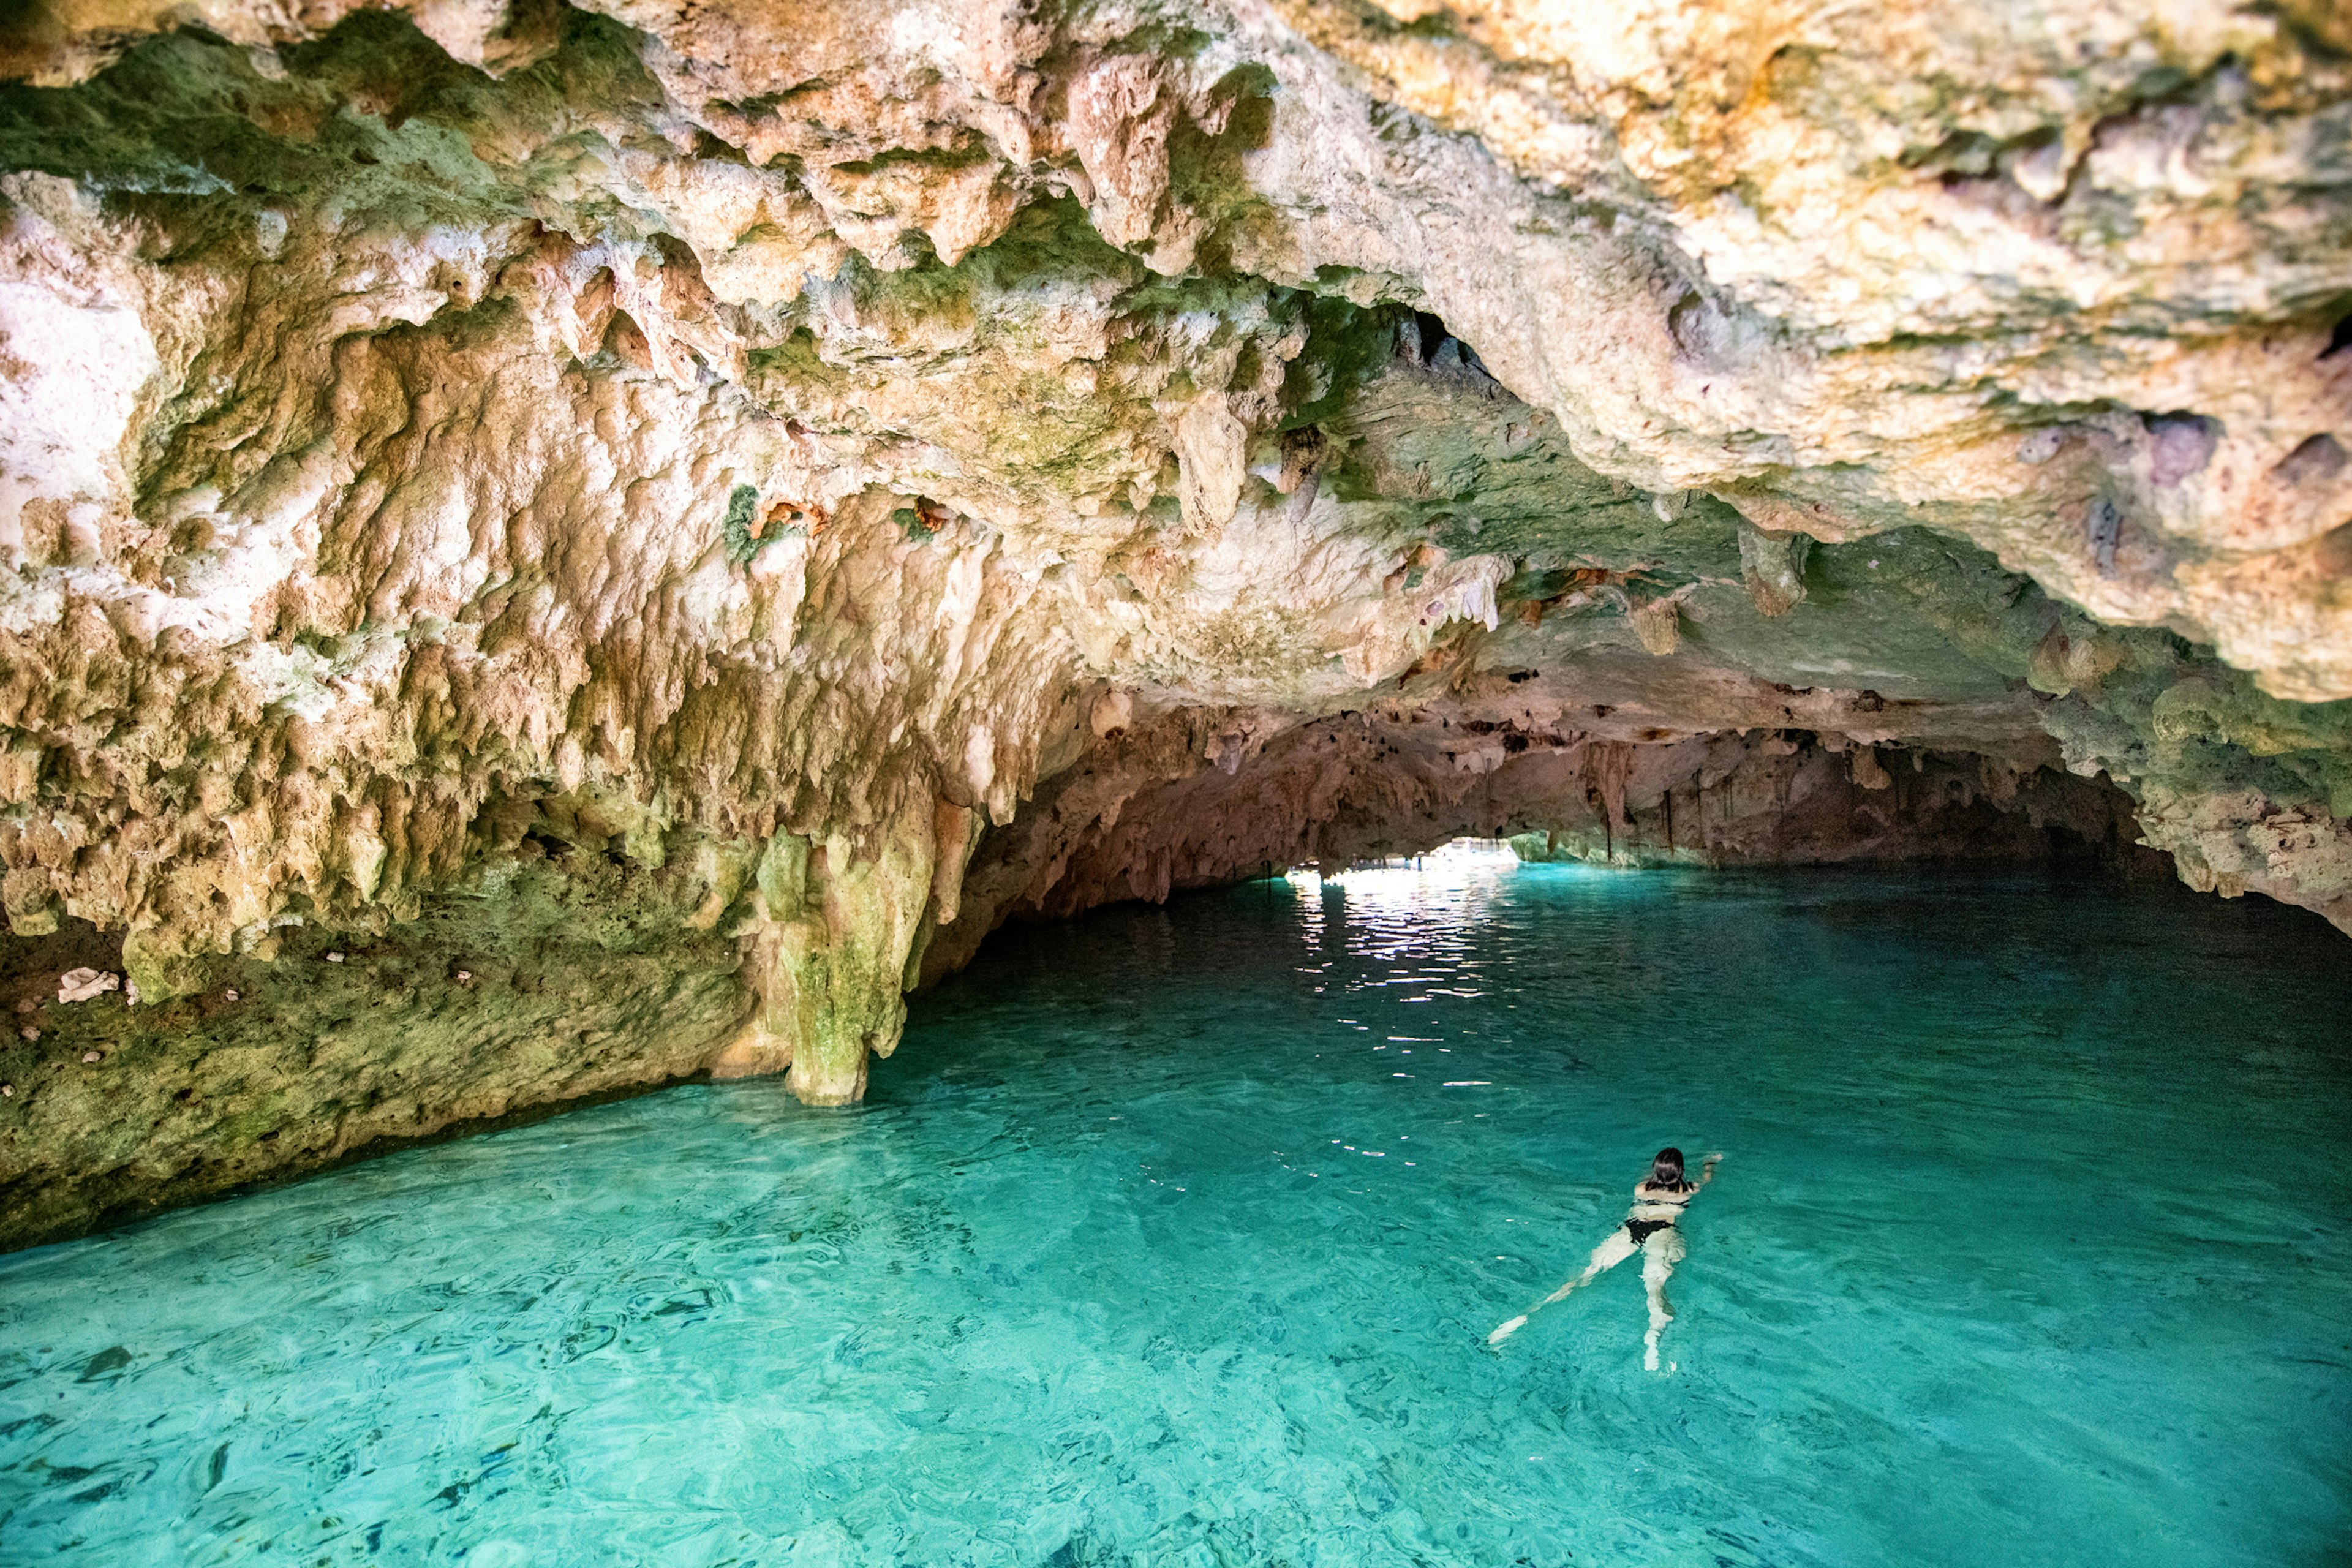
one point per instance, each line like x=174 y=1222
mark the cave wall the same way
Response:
x=809 y=482
x=541 y=985
x=1142 y=820
x=1789 y=800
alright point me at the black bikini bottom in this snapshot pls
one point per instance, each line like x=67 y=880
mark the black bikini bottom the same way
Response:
x=1641 y=1230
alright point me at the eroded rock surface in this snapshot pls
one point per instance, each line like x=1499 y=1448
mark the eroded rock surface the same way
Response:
x=799 y=485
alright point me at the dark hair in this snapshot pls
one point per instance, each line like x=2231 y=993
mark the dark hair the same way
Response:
x=1667 y=1170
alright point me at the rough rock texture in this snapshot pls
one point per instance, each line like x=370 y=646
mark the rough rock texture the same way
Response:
x=786 y=456
x=548 y=979
x=1149 y=814
x=1372 y=786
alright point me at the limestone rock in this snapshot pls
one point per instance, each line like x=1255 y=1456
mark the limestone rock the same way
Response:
x=81 y=984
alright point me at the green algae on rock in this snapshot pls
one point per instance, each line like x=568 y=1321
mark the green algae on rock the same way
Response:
x=549 y=979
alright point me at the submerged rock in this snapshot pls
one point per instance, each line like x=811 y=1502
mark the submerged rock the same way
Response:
x=806 y=485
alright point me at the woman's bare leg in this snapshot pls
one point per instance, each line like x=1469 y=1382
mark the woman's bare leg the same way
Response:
x=1660 y=1254
x=1605 y=1257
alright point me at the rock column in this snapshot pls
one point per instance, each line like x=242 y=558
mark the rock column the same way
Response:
x=835 y=931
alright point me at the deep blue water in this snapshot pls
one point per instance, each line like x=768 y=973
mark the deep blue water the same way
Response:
x=1173 y=1237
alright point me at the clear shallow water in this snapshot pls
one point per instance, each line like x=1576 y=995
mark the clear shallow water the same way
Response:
x=1154 y=1246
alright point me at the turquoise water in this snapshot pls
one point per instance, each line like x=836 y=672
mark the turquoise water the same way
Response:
x=1173 y=1237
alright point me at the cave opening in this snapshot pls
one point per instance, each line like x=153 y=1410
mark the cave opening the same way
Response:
x=1461 y=855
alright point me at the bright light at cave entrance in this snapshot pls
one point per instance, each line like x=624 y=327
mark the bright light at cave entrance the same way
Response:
x=1451 y=880
x=1461 y=860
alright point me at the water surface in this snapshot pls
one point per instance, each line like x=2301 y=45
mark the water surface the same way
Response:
x=1172 y=1236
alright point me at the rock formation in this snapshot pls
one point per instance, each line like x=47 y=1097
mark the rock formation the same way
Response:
x=688 y=517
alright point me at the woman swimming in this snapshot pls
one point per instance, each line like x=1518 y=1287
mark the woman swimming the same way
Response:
x=1649 y=1230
